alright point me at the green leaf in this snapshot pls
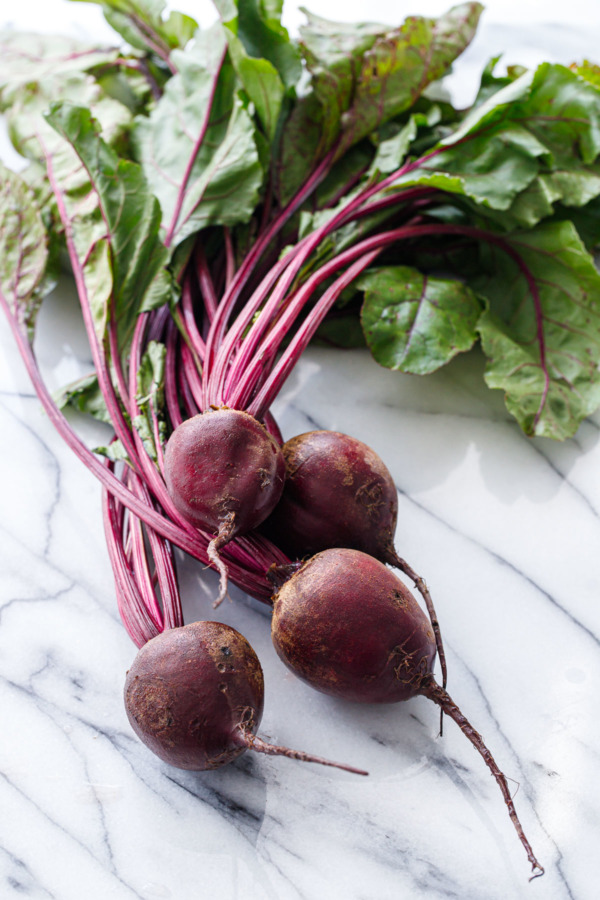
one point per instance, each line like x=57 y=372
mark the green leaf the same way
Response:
x=29 y=59
x=531 y=143
x=491 y=83
x=150 y=396
x=392 y=151
x=23 y=250
x=589 y=71
x=257 y=25
x=85 y=396
x=400 y=65
x=115 y=227
x=29 y=129
x=586 y=221
x=218 y=180
x=261 y=81
x=143 y=25
x=362 y=76
x=115 y=451
x=545 y=360
x=354 y=168
x=341 y=330
x=414 y=322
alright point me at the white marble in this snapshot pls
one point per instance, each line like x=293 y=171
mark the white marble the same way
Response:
x=505 y=529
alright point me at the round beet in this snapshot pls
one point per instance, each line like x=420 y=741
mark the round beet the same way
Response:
x=224 y=473
x=194 y=695
x=350 y=628
x=338 y=493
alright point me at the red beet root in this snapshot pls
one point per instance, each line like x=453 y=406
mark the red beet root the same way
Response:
x=194 y=695
x=340 y=616
x=225 y=474
x=349 y=627
x=339 y=493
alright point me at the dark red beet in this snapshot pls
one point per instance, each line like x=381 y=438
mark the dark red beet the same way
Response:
x=194 y=696
x=339 y=493
x=225 y=473
x=350 y=628
x=347 y=625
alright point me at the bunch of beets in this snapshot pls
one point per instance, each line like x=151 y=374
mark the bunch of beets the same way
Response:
x=197 y=460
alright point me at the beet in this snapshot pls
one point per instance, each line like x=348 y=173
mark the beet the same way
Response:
x=350 y=628
x=339 y=616
x=339 y=493
x=225 y=473
x=194 y=695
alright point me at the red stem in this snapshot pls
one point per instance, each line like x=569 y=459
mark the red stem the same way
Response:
x=233 y=293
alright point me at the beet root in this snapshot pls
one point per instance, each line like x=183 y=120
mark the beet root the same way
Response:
x=224 y=473
x=350 y=628
x=194 y=695
x=339 y=493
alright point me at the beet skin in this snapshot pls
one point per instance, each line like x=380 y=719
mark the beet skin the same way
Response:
x=338 y=493
x=224 y=471
x=190 y=690
x=349 y=627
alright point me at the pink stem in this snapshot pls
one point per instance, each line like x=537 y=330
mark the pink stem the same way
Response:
x=304 y=335
x=207 y=287
x=233 y=293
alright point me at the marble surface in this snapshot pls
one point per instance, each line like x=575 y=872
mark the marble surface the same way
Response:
x=506 y=530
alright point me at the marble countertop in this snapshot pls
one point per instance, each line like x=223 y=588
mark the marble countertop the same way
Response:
x=505 y=529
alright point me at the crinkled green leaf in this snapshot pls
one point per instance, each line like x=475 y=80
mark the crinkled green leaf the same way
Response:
x=150 y=396
x=415 y=322
x=589 y=71
x=116 y=237
x=392 y=151
x=531 y=143
x=545 y=361
x=362 y=76
x=217 y=182
x=23 y=249
x=29 y=129
x=144 y=26
x=257 y=25
x=85 y=396
x=29 y=59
